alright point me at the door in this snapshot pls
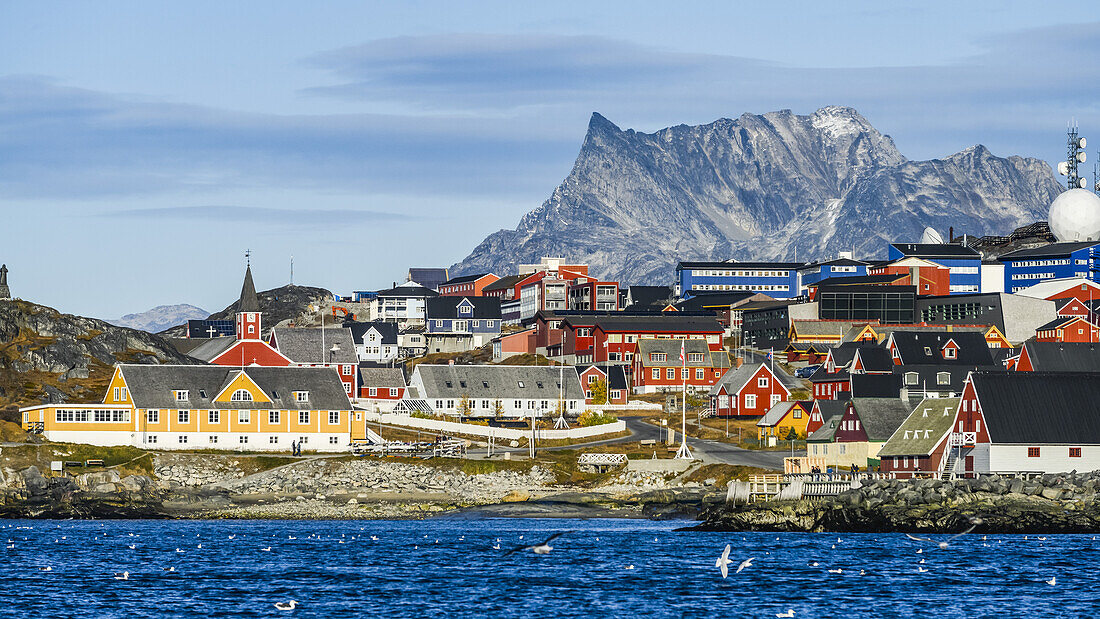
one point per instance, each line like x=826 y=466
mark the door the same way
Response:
x=970 y=464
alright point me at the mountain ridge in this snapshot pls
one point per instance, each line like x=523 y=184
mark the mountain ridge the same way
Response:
x=775 y=185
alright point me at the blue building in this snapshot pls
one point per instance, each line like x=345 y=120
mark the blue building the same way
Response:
x=1027 y=267
x=456 y=324
x=964 y=263
x=778 y=280
x=817 y=271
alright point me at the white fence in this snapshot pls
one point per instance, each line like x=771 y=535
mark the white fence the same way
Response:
x=635 y=405
x=454 y=427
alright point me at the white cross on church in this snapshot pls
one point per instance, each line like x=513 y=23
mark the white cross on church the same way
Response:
x=211 y=331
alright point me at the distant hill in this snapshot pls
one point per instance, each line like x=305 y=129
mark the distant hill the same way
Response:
x=47 y=356
x=771 y=186
x=278 y=304
x=161 y=317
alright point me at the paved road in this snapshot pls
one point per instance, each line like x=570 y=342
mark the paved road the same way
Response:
x=716 y=451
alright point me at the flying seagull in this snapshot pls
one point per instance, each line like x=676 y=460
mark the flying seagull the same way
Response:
x=744 y=564
x=540 y=549
x=943 y=544
x=723 y=562
x=286 y=605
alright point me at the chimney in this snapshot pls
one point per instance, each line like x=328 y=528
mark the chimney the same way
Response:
x=738 y=362
x=951 y=234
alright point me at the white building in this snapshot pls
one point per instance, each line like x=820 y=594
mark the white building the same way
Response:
x=510 y=391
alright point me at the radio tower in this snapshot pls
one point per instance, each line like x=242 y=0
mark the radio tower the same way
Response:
x=1075 y=153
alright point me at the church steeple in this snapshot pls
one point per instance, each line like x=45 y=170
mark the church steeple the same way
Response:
x=248 y=307
x=4 y=292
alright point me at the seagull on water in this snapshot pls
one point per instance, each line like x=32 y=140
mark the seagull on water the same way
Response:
x=812 y=564
x=836 y=571
x=1053 y=581
x=723 y=562
x=286 y=605
x=46 y=569
x=921 y=570
x=232 y=537
x=132 y=546
x=629 y=567
x=170 y=569
x=496 y=546
x=122 y=576
x=943 y=544
x=540 y=549
x=374 y=538
x=268 y=549
x=789 y=613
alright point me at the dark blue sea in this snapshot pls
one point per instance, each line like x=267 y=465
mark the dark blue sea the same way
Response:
x=603 y=568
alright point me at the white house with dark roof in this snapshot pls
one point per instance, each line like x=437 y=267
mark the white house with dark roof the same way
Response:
x=506 y=391
x=375 y=342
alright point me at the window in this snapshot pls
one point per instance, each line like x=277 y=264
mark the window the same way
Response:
x=796 y=413
x=184 y=416
x=251 y=328
x=670 y=373
x=347 y=370
x=1033 y=452
x=695 y=357
x=272 y=440
x=347 y=388
x=517 y=404
x=750 y=401
x=242 y=417
x=698 y=373
x=243 y=440
x=948 y=353
x=657 y=357
x=333 y=440
x=152 y=438
x=152 y=416
x=241 y=395
x=762 y=382
x=333 y=417
x=911 y=378
x=943 y=378
x=521 y=384
x=301 y=396
x=181 y=396
x=303 y=417
x=684 y=373
x=273 y=417
x=373 y=391
x=1075 y=452
x=202 y=393
x=656 y=373
x=213 y=438
x=183 y=439
x=213 y=417
x=303 y=439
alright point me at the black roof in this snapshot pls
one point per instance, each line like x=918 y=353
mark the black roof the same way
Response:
x=248 y=301
x=936 y=250
x=928 y=376
x=713 y=299
x=925 y=347
x=1036 y=408
x=464 y=278
x=406 y=290
x=875 y=359
x=505 y=282
x=430 y=276
x=650 y=295
x=839 y=262
x=669 y=321
x=616 y=374
x=876 y=386
x=447 y=307
x=388 y=330
x=1054 y=249
x=739 y=265
x=860 y=280
x=1063 y=356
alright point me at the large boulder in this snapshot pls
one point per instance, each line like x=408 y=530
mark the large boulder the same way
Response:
x=33 y=481
x=88 y=481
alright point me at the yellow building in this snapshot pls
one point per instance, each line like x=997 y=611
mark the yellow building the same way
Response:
x=776 y=424
x=209 y=407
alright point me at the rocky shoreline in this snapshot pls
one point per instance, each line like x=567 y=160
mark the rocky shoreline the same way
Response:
x=1062 y=503
x=199 y=487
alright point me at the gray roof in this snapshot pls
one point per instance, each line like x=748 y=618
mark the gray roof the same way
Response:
x=671 y=349
x=829 y=408
x=381 y=378
x=776 y=413
x=825 y=433
x=880 y=416
x=304 y=344
x=152 y=386
x=735 y=378
x=923 y=429
x=248 y=301
x=497 y=381
x=210 y=349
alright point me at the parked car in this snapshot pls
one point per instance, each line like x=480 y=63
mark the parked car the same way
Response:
x=807 y=371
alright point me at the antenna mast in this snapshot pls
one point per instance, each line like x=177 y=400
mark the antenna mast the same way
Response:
x=1075 y=154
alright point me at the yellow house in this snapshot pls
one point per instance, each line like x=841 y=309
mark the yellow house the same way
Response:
x=209 y=407
x=781 y=417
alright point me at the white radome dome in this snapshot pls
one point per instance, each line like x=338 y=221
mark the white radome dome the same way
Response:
x=1075 y=216
x=931 y=237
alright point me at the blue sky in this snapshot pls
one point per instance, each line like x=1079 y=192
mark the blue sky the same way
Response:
x=144 y=146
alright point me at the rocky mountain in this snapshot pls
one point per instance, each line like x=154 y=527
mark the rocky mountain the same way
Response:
x=777 y=185
x=278 y=304
x=47 y=356
x=161 y=317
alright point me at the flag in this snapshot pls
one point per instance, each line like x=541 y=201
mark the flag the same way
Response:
x=683 y=359
x=769 y=355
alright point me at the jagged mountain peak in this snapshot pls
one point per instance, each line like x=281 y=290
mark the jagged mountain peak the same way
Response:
x=777 y=184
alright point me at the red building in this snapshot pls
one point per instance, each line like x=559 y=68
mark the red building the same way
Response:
x=248 y=348
x=467 y=285
x=616 y=338
x=747 y=391
x=1068 y=329
x=929 y=278
x=381 y=383
x=614 y=376
x=658 y=365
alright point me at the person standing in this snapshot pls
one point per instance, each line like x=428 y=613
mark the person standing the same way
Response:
x=293 y=448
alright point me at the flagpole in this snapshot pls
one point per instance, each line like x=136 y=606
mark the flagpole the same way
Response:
x=683 y=453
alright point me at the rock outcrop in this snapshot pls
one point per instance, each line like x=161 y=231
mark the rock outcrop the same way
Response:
x=1062 y=503
x=278 y=304
x=778 y=185
x=47 y=356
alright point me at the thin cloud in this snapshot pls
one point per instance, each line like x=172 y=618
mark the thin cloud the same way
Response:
x=262 y=215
